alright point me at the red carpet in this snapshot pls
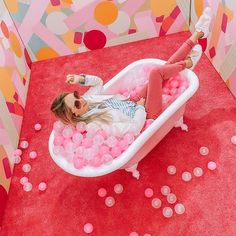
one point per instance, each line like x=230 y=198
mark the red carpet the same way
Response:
x=69 y=202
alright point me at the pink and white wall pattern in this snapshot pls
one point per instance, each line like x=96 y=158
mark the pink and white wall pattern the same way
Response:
x=61 y=27
x=14 y=78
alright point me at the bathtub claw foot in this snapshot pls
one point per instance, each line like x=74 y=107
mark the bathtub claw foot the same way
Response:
x=134 y=171
x=180 y=123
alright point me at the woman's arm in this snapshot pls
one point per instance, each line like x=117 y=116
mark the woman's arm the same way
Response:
x=95 y=82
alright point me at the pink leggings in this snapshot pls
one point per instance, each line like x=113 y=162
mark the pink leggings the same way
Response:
x=153 y=91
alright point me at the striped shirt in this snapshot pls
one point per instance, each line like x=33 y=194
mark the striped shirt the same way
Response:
x=126 y=107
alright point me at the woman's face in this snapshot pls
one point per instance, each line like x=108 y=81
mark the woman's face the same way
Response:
x=77 y=104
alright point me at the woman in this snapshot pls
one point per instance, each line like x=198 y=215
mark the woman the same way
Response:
x=115 y=113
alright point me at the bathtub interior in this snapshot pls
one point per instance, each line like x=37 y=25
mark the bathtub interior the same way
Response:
x=133 y=75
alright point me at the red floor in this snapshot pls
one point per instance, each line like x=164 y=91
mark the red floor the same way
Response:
x=69 y=202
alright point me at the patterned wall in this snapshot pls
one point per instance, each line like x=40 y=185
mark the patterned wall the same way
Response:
x=220 y=47
x=51 y=28
x=14 y=75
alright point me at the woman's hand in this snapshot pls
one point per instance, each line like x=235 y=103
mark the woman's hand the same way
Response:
x=141 y=102
x=74 y=79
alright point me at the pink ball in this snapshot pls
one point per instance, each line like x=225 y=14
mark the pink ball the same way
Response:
x=92 y=128
x=17 y=152
x=58 y=126
x=174 y=83
x=123 y=145
x=109 y=201
x=111 y=141
x=87 y=142
x=67 y=132
x=126 y=94
x=129 y=138
x=133 y=234
x=148 y=192
x=104 y=150
x=96 y=161
x=102 y=133
x=133 y=94
x=211 y=165
x=115 y=151
x=233 y=139
x=33 y=155
x=79 y=151
x=58 y=150
x=107 y=158
x=58 y=140
x=37 y=127
x=42 y=186
x=102 y=192
x=24 y=180
x=173 y=91
x=77 y=138
x=89 y=153
x=88 y=228
x=166 y=91
x=78 y=162
x=81 y=127
x=98 y=139
x=118 y=188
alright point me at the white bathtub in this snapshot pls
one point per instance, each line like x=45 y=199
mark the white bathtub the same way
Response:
x=171 y=117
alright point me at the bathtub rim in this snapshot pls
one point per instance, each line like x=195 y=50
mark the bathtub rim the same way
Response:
x=126 y=156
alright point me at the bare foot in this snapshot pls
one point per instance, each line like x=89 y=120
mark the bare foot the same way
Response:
x=188 y=62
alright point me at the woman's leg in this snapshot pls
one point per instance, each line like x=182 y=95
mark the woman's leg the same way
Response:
x=153 y=104
x=185 y=48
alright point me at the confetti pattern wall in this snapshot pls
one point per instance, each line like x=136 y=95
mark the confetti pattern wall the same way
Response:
x=220 y=47
x=14 y=75
x=52 y=28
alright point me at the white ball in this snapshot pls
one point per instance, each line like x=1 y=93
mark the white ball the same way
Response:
x=165 y=190
x=167 y=212
x=156 y=203
x=42 y=186
x=179 y=208
x=186 y=176
x=27 y=187
x=233 y=139
x=26 y=168
x=24 y=180
x=198 y=171
x=171 y=170
x=24 y=144
x=17 y=159
x=171 y=198
x=204 y=151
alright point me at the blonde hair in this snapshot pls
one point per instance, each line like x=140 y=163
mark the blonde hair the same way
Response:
x=64 y=113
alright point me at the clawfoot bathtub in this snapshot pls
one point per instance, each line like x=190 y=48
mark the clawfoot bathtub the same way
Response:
x=133 y=75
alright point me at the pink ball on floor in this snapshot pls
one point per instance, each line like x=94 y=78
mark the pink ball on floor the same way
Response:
x=42 y=186
x=17 y=159
x=211 y=165
x=102 y=192
x=109 y=201
x=118 y=188
x=78 y=162
x=24 y=180
x=37 y=127
x=88 y=228
x=24 y=144
x=233 y=139
x=17 y=152
x=133 y=234
x=148 y=192
x=33 y=155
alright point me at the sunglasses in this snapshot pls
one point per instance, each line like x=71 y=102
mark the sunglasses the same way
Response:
x=77 y=102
